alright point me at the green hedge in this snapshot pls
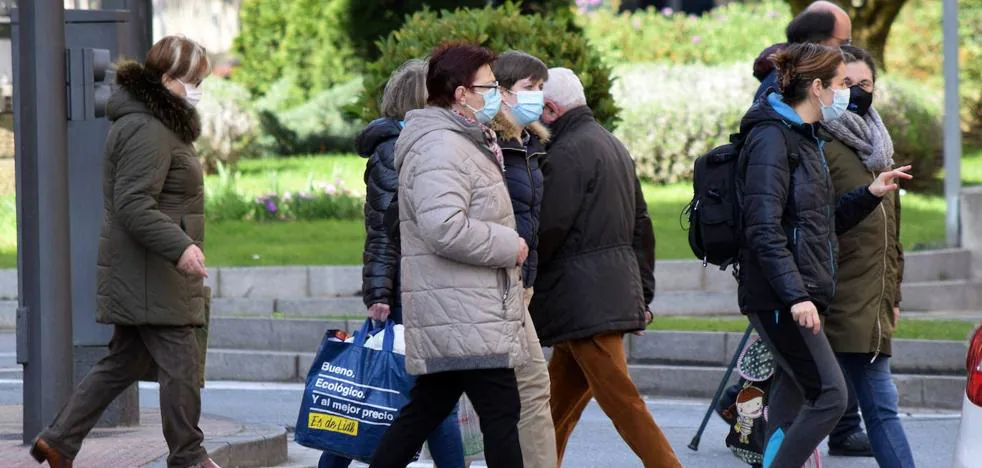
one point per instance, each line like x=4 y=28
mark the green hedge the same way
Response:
x=318 y=125
x=500 y=29
x=915 y=50
x=694 y=108
x=367 y=21
x=736 y=32
x=913 y=115
x=302 y=41
x=668 y=122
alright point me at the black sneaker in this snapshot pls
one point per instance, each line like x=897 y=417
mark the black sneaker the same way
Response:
x=856 y=445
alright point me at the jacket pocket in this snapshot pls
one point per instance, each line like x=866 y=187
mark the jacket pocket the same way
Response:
x=504 y=286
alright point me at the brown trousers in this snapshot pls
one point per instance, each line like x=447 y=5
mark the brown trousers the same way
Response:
x=597 y=367
x=132 y=351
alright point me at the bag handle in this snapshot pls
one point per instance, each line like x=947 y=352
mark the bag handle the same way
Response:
x=388 y=340
x=361 y=336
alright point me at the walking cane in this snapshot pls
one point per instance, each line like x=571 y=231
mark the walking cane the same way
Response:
x=694 y=445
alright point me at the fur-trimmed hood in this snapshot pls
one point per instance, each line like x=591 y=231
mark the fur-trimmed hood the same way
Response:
x=508 y=130
x=140 y=92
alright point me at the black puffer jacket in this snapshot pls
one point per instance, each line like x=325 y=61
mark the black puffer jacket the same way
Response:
x=380 y=274
x=523 y=152
x=596 y=243
x=790 y=213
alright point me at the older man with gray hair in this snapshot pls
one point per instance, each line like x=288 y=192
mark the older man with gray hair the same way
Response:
x=596 y=272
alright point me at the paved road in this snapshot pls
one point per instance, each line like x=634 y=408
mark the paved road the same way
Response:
x=595 y=442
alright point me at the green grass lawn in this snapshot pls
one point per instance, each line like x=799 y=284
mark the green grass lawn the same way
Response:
x=923 y=225
x=297 y=243
x=912 y=329
x=341 y=242
x=259 y=176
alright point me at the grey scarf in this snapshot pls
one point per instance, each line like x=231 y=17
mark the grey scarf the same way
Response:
x=868 y=136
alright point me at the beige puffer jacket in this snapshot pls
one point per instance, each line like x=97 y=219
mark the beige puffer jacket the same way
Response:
x=461 y=289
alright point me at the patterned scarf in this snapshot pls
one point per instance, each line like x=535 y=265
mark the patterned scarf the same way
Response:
x=490 y=138
x=868 y=136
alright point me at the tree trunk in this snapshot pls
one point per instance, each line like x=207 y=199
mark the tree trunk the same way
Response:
x=870 y=22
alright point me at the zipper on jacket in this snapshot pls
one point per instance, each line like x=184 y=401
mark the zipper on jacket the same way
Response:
x=504 y=294
x=828 y=212
x=535 y=228
x=883 y=282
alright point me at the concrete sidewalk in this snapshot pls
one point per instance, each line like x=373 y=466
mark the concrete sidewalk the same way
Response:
x=229 y=443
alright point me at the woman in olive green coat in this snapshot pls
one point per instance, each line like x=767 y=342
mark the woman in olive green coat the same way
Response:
x=151 y=267
x=866 y=306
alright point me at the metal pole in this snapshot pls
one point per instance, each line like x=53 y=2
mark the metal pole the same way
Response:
x=952 y=124
x=45 y=315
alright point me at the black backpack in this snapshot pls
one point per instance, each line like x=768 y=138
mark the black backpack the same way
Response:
x=715 y=218
x=714 y=213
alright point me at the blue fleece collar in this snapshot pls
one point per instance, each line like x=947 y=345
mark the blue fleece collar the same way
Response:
x=786 y=111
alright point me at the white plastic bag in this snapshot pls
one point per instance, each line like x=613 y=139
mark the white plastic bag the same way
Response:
x=470 y=428
x=398 y=346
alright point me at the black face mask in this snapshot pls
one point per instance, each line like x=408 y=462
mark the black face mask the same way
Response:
x=860 y=100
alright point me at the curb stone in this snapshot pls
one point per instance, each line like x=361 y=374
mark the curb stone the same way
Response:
x=254 y=446
x=914 y=391
x=658 y=380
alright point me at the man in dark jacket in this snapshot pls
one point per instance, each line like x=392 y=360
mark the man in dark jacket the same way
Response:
x=821 y=23
x=596 y=272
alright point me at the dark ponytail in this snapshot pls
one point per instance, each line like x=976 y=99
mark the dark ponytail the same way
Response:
x=799 y=65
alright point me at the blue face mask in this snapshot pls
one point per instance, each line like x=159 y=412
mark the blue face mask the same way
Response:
x=528 y=108
x=840 y=104
x=492 y=103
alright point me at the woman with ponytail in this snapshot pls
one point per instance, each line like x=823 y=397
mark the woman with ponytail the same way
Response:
x=791 y=216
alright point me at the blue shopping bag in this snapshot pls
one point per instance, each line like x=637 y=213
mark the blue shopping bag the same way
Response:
x=353 y=394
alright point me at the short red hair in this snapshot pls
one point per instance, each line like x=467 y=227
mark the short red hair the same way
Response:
x=454 y=64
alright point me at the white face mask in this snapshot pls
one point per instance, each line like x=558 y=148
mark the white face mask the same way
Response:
x=192 y=94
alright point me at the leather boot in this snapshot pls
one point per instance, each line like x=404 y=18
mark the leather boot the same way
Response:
x=44 y=452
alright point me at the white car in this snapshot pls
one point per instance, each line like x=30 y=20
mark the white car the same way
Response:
x=968 y=449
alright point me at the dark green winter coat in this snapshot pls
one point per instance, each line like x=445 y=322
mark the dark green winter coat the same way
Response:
x=871 y=264
x=153 y=193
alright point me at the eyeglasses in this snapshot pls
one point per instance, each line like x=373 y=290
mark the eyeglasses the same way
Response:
x=488 y=87
x=844 y=42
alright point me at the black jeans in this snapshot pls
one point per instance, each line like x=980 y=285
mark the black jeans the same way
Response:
x=494 y=393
